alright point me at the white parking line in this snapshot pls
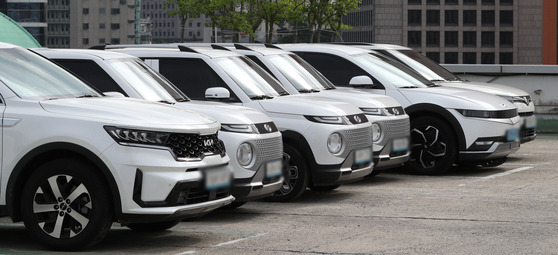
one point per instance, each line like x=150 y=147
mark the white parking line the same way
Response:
x=240 y=240
x=506 y=173
x=186 y=252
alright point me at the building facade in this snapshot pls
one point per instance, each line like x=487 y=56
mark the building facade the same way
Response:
x=455 y=31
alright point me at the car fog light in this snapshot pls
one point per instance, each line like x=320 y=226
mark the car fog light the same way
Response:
x=334 y=143
x=376 y=132
x=244 y=154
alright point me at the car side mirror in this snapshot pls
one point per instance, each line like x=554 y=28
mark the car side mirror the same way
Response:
x=361 y=81
x=113 y=94
x=217 y=93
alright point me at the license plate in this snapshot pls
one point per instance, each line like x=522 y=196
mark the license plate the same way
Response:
x=512 y=134
x=273 y=168
x=531 y=122
x=363 y=156
x=400 y=144
x=216 y=179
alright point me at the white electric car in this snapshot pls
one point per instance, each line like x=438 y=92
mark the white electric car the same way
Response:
x=326 y=142
x=439 y=75
x=448 y=125
x=75 y=161
x=389 y=121
x=250 y=137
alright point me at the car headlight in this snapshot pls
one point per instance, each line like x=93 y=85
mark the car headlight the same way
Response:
x=376 y=132
x=135 y=136
x=374 y=111
x=503 y=114
x=244 y=154
x=334 y=143
x=339 y=120
x=239 y=128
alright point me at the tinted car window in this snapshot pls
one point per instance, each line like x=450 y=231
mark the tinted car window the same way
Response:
x=192 y=76
x=261 y=64
x=90 y=72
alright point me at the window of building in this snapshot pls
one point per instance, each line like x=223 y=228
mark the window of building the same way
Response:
x=122 y=1
x=414 y=18
x=115 y=26
x=451 y=38
x=506 y=58
x=435 y=56
x=432 y=17
x=487 y=39
x=85 y=10
x=469 y=57
x=115 y=40
x=198 y=24
x=488 y=2
x=433 y=2
x=85 y=26
x=506 y=2
x=469 y=18
x=450 y=57
x=114 y=11
x=506 y=18
x=190 y=24
x=101 y=10
x=469 y=39
x=487 y=18
x=102 y=40
x=452 y=2
x=190 y=33
x=101 y=25
x=469 y=2
x=452 y=18
x=414 y=38
x=198 y=34
x=85 y=41
x=432 y=38
x=487 y=58
x=414 y=2
x=506 y=39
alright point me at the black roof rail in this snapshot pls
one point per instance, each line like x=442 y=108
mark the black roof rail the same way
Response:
x=99 y=47
x=272 y=46
x=219 y=47
x=186 y=49
x=239 y=46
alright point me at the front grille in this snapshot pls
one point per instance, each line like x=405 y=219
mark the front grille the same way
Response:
x=194 y=146
x=189 y=196
x=396 y=128
x=268 y=149
x=527 y=132
x=358 y=138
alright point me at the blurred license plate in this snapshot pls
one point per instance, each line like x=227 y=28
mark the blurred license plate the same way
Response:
x=530 y=122
x=512 y=134
x=273 y=168
x=400 y=144
x=217 y=178
x=363 y=156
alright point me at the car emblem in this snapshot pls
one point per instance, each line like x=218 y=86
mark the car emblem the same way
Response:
x=268 y=128
x=208 y=142
x=357 y=119
x=395 y=111
x=503 y=105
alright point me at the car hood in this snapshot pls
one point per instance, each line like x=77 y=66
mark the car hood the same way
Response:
x=133 y=113
x=456 y=98
x=226 y=113
x=490 y=88
x=308 y=105
x=359 y=98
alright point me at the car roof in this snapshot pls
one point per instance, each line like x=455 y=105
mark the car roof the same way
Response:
x=320 y=47
x=170 y=50
x=81 y=53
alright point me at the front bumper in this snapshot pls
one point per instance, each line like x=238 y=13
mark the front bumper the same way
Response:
x=388 y=151
x=496 y=150
x=528 y=127
x=346 y=172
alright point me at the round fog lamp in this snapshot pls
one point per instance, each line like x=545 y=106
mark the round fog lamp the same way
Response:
x=244 y=154
x=376 y=132
x=334 y=143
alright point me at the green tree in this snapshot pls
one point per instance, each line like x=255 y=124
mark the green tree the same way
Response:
x=183 y=9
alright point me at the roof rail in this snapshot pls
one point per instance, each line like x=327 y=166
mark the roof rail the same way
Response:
x=219 y=47
x=241 y=47
x=186 y=49
x=273 y=46
x=99 y=47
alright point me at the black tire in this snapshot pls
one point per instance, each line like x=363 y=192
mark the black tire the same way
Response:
x=325 y=188
x=433 y=146
x=66 y=205
x=152 y=226
x=296 y=176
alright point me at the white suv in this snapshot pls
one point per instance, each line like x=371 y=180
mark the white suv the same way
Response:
x=389 y=121
x=439 y=75
x=448 y=125
x=75 y=161
x=326 y=142
x=248 y=134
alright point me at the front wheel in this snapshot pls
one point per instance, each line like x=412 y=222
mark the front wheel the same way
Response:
x=65 y=205
x=433 y=146
x=296 y=179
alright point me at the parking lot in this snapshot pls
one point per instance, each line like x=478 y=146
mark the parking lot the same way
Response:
x=511 y=209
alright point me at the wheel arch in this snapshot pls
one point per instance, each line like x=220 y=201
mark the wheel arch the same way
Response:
x=43 y=153
x=424 y=109
x=301 y=144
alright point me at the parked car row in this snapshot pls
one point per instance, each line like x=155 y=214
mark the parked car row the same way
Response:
x=147 y=135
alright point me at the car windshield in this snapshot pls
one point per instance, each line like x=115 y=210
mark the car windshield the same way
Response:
x=146 y=81
x=33 y=77
x=423 y=65
x=393 y=71
x=296 y=74
x=251 y=78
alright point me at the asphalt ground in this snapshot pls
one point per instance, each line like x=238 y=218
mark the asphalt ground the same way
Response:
x=510 y=209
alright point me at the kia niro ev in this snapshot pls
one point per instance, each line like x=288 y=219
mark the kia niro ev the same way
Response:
x=74 y=161
x=448 y=125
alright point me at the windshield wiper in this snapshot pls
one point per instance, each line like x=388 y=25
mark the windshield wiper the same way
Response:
x=284 y=93
x=437 y=80
x=260 y=97
x=305 y=91
x=408 y=87
x=182 y=100
x=165 y=102
x=455 y=79
x=87 y=95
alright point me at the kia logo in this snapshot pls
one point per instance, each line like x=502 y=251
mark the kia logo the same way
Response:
x=268 y=128
x=208 y=142
x=357 y=119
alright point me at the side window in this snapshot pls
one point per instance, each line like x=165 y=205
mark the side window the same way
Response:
x=91 y=73
x=336 y=69
x=192 y=76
